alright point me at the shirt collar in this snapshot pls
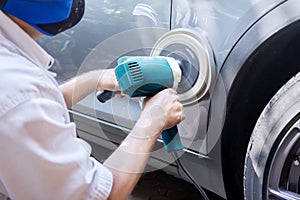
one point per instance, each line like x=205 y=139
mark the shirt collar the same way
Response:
x=24 y=42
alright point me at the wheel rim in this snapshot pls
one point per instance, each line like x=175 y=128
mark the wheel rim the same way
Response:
x=283 y=180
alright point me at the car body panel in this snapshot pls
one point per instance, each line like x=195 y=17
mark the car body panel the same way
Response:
x=282 y=20
x=110 y=30
x=222 y=22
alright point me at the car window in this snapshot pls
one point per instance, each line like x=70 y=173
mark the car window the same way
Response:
x=103 y=19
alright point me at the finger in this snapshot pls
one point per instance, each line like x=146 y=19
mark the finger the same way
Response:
x=119 y=94
x=182 y=117
x=178 y=106
x=171 y=90
x=174 y=98
x=179 y=118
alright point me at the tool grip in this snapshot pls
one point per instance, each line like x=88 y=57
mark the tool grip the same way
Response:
x=104 y=96
x=171 y=140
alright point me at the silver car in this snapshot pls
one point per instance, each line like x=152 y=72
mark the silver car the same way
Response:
x=240 y=87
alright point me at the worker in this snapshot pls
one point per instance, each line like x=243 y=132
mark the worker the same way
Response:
x=40 y=156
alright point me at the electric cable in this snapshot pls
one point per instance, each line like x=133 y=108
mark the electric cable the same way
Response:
x=193 y=181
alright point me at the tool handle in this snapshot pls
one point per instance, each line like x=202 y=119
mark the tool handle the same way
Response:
x=171 y=140
x=104 y=96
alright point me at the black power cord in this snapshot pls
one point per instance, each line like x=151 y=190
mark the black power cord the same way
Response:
x=193 y=181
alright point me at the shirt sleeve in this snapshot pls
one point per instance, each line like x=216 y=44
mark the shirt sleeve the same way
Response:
x=43 y=157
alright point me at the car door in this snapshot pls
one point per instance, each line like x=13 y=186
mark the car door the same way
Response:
x=108 y=30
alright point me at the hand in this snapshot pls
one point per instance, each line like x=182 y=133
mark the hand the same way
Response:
x=161 y=111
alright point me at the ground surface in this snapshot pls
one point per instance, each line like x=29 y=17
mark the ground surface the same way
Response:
x=160 y=186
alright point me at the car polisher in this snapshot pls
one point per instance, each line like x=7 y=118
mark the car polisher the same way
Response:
x=144 y=77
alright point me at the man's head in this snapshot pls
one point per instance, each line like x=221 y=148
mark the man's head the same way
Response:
x=50 y=17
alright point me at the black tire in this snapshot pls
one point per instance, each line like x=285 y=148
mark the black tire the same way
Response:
x=272 y=169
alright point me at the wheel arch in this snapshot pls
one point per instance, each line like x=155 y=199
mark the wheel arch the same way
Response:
x=265 y=58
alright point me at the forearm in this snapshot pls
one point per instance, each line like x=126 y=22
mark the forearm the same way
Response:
x=79 y=87
x=127 y=163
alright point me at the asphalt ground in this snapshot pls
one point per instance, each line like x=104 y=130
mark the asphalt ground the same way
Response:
x=159 y=185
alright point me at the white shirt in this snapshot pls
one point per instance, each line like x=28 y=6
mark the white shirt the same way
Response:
x=40 y=155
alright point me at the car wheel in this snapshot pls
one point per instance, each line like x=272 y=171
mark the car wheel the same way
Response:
x=272 y=163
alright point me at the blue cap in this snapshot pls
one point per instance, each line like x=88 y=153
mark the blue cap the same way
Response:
x=43 y=12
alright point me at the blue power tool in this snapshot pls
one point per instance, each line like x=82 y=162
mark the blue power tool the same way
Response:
x=144 y=77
